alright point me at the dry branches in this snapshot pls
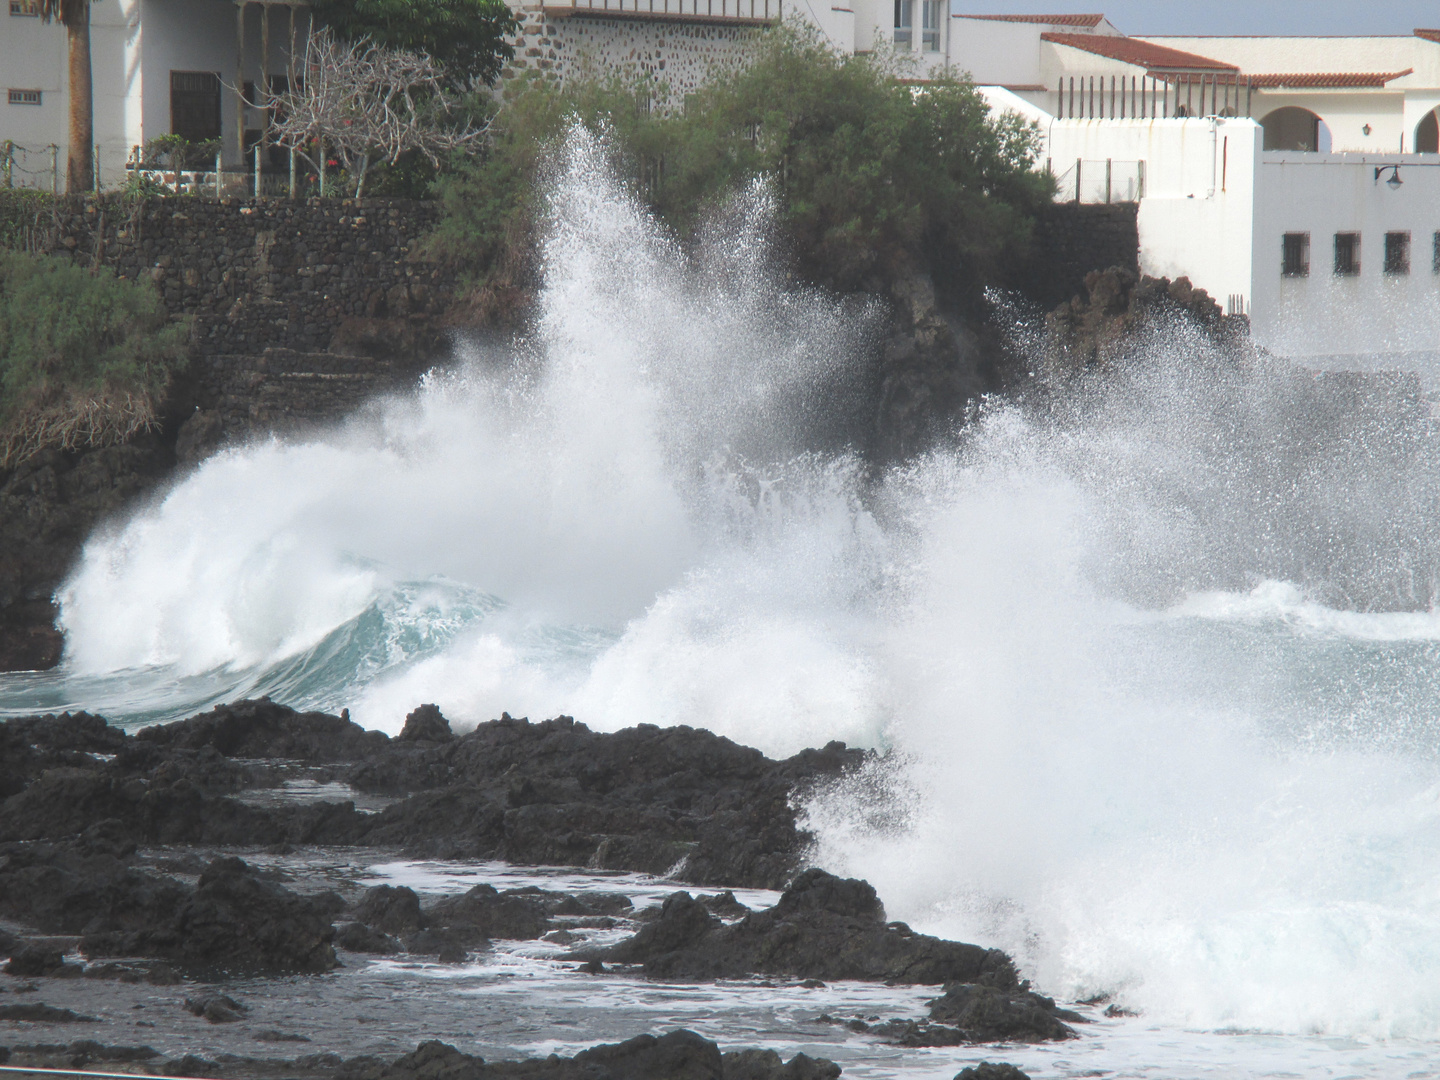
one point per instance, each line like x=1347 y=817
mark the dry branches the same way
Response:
x=368 y=103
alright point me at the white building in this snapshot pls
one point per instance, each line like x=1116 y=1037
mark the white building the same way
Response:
x=158 y=66
x=163 y=66
x=1296 y=180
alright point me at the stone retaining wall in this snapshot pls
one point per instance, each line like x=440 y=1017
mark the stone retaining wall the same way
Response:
x=680 y=54
x=1071 y=239
x=268 y=273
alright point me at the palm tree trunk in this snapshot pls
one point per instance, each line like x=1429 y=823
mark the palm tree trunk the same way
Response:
x=80 y=170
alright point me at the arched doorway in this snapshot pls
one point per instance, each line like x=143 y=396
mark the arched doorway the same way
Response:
x=1427 y=135
x=1294 y=128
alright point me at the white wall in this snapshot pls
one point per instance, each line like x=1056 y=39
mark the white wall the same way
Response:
x=1197 y=214
x=1347 y=113
x=997 y=53
x=34 y=56
x=1323 y=315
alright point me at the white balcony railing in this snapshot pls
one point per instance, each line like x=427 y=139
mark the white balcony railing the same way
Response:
x=718 y=10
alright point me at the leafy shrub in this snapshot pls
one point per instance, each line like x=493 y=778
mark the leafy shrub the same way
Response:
x=84 y=357
x=26 y=217
x=873 y=173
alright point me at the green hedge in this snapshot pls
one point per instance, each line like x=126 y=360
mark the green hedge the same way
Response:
x=84 y=356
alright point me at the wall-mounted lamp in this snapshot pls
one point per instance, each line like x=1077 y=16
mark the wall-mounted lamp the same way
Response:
x=1366 y=129
x=1394 y=182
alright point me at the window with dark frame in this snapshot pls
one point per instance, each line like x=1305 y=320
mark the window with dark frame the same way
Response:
x=25 y=97
x=25 y=8
x=195 y=105
x=1347 y=254
x=930 y=25
x=904 y=22
x=1295 y=254
x=1397 y=253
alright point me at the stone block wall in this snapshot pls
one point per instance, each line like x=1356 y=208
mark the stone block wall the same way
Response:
x=1071 y=239
x=268 y=273
x=679 y=54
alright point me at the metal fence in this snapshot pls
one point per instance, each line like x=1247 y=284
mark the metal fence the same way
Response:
x=1101 y=180
x=1132 y=97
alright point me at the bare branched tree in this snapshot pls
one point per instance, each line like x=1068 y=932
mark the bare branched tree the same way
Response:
x=367 y=103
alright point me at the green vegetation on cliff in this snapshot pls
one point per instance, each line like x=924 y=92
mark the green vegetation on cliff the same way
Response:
x=84 y=356
x=871 y=172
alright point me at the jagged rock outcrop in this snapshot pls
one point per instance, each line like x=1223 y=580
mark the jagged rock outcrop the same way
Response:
x=823 y=927
x=1120 y=311
x=648 y=799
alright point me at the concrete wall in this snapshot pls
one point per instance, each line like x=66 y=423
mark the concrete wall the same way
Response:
x=1324 y=315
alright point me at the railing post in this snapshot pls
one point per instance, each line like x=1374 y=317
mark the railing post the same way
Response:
x=9 y=163
x=1108 y=165
x=54 y=169
x=322 y=168
x=219 y=191
x=292 y=172
x=95 y=169
x=1140 y=171
x=1078 y=163
x=257 y=171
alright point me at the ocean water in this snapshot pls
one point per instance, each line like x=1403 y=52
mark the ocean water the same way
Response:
x=1151 y=663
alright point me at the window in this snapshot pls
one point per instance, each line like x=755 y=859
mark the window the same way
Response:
x=1295 y=254
x=1397 y=253
x=1435 y=256
x=195 y=105
x=930 y=25
x=904 y=22
x=1347 y=253
x=24 y=97
x=25 y=8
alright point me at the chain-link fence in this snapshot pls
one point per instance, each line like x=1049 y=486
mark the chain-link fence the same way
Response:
x=1101 y=180
x=30 y=167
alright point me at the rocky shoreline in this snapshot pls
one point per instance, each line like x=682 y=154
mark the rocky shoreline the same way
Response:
x=141 y=861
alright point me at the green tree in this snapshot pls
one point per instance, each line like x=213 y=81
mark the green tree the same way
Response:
x=467 y=37
x=873 y=174
x=74 y=15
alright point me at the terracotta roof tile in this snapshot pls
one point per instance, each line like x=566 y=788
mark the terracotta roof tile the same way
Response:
x=1317 y=79
x=1049 y=20
x=1428 y=35
x=1140 y=53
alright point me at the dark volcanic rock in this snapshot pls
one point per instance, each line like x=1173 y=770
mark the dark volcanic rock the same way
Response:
x=823 y=927
x=77 y=888
x=38 y=1013
x=766 y=1065
x=262 y=729
x=357 y=937
x=234 y=921
x=493 y=914
x=217 y=1008
x=987 y=1070
x=426 y=724
x=37 y=960
x=48 y=505
x=993 y=1014
x=646 y=799
x=390 y=910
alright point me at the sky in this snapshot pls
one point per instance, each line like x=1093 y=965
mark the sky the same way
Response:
x=1232 y=16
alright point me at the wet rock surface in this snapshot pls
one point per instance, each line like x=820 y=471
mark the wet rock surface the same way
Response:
x=556 y=793
x=110 y=877
x=674 y=1055
x=824 y=927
